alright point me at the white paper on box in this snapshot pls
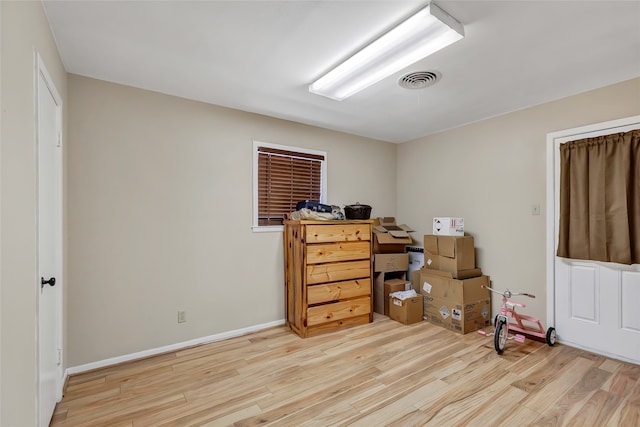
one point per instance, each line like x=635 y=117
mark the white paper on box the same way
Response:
x=448 y=226
x=456 y=314
x=397 y=302
x=426 y=287
x=403 y=295
x=444 y=312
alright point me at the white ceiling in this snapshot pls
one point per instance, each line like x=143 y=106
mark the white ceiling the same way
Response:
x=260 y=56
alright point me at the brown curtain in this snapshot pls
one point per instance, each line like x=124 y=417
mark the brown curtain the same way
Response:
x=600 y=198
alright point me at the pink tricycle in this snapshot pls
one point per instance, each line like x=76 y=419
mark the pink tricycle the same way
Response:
x=504 y=325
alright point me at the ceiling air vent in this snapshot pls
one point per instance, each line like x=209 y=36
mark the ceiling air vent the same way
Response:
x=419 y=79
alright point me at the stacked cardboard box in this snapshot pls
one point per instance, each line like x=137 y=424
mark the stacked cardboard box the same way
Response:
x=459 y=305
x=407 y=311
x=453 y=255
x=451 y=284
x=389 y=237
x=390 y=262
x=448 y=226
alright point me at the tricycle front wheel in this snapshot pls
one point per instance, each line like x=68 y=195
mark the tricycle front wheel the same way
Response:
x=501 y=335
x=551 y=336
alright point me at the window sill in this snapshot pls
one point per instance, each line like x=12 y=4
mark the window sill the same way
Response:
x=267 y=228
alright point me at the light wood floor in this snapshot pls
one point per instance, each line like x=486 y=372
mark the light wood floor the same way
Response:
x=379 y=374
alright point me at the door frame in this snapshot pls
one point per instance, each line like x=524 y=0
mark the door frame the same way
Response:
x=41 y=70
x=552 y=201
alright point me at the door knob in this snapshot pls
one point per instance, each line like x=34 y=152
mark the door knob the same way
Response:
x=50 y=282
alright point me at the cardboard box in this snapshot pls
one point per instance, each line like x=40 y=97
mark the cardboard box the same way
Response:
x=407 y=311
x=380 y=295
x=390 y=262
x=391 y=286
x=460 y=274
x=449 y=253
x=388 y=237
x=415 y=280
x=448 y=226
x=458 y=317
x=456 y=290
x=431 y=260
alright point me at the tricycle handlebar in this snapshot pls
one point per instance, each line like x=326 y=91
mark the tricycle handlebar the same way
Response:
x=507 y=293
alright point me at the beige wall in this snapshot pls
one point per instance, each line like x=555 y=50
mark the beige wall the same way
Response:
x=159 y=202
x=25 y=31
x=491 y=173
x=158 y=195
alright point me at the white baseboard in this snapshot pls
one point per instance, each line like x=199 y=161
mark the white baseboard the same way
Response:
x=600 y=352
x=173 y=347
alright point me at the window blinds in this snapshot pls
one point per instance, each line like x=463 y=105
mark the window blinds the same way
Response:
x=284 y=179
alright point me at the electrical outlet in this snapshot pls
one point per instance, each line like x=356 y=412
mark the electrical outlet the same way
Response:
x=182 y=316
x=535 y=209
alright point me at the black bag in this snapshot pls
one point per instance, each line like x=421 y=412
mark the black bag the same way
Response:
x=314 y=206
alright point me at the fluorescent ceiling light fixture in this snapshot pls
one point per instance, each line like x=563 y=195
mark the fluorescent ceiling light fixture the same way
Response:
x=424 y=33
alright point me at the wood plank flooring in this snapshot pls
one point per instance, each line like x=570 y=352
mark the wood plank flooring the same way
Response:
x=383 y=373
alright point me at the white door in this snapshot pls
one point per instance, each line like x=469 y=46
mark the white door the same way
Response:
x=49 y=246
x=596 y=303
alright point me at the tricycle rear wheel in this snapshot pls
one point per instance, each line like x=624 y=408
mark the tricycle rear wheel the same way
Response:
x=551 y=336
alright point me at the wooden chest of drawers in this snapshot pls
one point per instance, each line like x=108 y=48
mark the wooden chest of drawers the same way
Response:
x=328 y=275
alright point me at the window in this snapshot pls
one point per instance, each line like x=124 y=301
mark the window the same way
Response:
x=284 y=176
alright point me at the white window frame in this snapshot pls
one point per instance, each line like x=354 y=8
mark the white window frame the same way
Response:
x=323 y=181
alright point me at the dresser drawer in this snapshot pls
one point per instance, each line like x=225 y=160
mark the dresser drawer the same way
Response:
x=333 y=252
x=338 y=233
x=337 y=272
x=336 y=325
x=340 y=290
x=338 y=310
